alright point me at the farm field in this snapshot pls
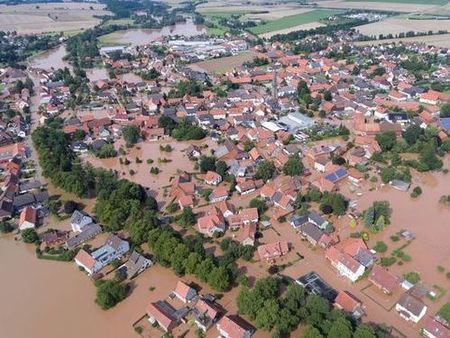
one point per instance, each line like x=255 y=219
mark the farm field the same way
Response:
x=442 y=40
x=293 y=20
x=397 y=25
x=305 y=26
x=222 y=65
x=45 y=18
x=377 y=5
x=418 y=2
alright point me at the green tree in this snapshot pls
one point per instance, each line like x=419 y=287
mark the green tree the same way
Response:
x=412 y=134
x=187 y=217
x=445 y=110
x=341 y=328
x=265 y=170
x=30 y=236
x=293 y=166
x=312 y=332
x=386 y=140
x=364 y=331
x=207 y=163
x=140 y=228
x=267 y=316
x=6 y=227
x=428 y=158
x=219 y=279
x=131 y=134
x=110 y=292
x=221 y=168
x=259 y=204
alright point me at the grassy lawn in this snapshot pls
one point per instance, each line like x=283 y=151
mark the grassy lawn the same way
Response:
x=218 y=31
x=293 y=20
x=444 y=312
x=2 y=87
x=416 y=2
x=111 y=39
x=225 y=14
x=118 y=22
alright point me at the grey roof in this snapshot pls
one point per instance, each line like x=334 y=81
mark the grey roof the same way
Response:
x=411 y=304
x=41 y=196
x=29 y=185
x=316 y=218
x=77 y=217
x=114 y=241
x=311 y=231
x=89 y=231
x=297 y=220
x=21 y=201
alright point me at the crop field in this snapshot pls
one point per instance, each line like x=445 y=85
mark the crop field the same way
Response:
x=306 y=26
x=293 y=20
x=224 y=64
x=441 y=40
x=402 y=25
x=380 y=6
x=45 y=18
x=416 y=2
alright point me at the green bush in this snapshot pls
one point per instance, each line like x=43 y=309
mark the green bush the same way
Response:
x=380 y=247
x=412 y=277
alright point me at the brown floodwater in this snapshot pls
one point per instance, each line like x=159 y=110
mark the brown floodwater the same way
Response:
x=50 y=59
x=150 y=150
x=137 y=37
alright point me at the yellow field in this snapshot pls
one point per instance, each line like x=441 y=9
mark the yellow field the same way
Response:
x=383 y=6
x=54 y=17
x=402 y=25
x=225 y=64
x=435 y=40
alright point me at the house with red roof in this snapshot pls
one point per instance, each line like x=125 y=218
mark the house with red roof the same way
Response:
x=206 y=312
x=345 y=264
x=233 y=326
x=184 y=292
x=163 y=314
x=219 y=194
x=213 y=222
x=434 y=328
x=247 y=234
x=28 y=218
x=213 y=178
x=349 y=303
x=383 y=279
x=271 y=251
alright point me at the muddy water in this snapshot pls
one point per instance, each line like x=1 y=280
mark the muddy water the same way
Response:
x=48 y=299
x=423 y=216
x=137 y=37
x=52 y=59
x=150 y=150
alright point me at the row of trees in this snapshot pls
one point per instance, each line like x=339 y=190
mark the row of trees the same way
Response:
x=272 y=310
x=187 y=256
x=120 y=203
x=329 y=202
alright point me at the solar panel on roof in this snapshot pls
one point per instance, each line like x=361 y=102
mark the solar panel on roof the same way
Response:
x=341 y=172
x=446 y=123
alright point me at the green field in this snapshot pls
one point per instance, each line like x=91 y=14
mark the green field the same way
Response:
x=415 y=2
x=293 y=20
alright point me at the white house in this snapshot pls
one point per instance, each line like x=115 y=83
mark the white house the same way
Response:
x=79 y=220
x=113 y=249
x=28 y=218
x=410 y=308
x=350 y=267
